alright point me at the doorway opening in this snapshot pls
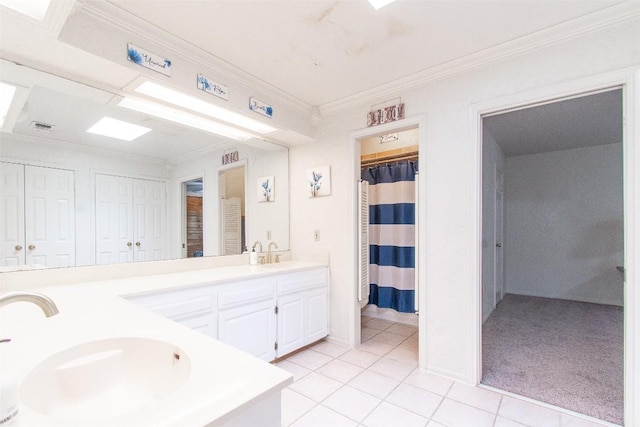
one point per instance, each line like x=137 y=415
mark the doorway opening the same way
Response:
x=193 y=214
x=552 y=253
x=386 y=312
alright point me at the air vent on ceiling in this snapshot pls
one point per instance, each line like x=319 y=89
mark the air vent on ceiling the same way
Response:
x=40 y=126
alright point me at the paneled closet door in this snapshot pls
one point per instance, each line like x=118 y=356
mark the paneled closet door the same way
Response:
x=149 y=199
x=114 y=219
x=12 y=243
x=50 y=217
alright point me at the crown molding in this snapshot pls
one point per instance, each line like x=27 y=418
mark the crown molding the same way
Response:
x=612 y=16
x=122 y=20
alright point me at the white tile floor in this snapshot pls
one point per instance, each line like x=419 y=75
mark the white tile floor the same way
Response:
x=379 y=385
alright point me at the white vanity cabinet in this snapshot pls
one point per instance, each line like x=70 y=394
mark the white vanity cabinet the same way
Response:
x=194 y=308
x=247 y=316
x=267 y=317
x=303 y=315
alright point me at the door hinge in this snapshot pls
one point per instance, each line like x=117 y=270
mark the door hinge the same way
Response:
x=275 y=346
x=275 y=310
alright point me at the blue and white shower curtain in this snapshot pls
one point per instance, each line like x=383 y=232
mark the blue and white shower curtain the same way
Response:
x=392 y=235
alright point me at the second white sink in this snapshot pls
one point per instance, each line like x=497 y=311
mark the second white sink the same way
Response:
x=104 y=379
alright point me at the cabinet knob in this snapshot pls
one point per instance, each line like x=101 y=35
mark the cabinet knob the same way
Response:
x=138 y=244
x=31 y=247
x=18 y=248
x=129 y=244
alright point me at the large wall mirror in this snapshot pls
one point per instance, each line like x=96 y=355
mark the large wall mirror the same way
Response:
x=75 y=198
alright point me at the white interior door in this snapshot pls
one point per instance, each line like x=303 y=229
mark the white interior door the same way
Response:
x=12 y=210
x=231 y=226
x=499 y=237
x=363 y=244
x=149 y=201
x=50 y=217
x=114 y=219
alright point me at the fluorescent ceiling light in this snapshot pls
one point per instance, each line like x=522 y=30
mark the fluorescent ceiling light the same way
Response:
x=180 y=99
x=184 y=118
x=33 y=8
x=377 y=4
x=6 y=96
x=113 y=128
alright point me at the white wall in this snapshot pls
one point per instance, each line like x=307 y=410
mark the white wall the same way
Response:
x=449 y=183
x=260 y=217
x=564 y=234
x=492 y=159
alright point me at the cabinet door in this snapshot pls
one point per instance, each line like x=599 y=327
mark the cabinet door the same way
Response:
x=149 y=202
x=13 y=248
x=317 y=313
x=250 y=328
x=114 y=219
x=50 y=220
x=303 y=301
x=291 y=334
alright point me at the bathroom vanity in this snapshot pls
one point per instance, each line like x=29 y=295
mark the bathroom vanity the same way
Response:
x=113 y=337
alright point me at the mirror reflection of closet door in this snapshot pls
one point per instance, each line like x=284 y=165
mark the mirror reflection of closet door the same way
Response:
x=130 y=219
x=232 y=220
x=231 y=226
x=38 y=216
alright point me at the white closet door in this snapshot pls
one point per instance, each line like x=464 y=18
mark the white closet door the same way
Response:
x=231 y=226
x=12 y=245
x=363 y=243
x=50 y=217
x=114 y=219
x=149 y=201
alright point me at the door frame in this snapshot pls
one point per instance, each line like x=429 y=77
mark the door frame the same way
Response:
x=629 y=80
x=498 y=226
x=419 y=122
x=183 y=215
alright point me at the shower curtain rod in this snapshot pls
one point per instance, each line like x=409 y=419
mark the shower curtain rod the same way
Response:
x=413 y=155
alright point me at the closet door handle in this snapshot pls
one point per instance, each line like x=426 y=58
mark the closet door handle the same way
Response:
x=138 y=244
x=498 y=245
x=129 y=244
x=18 y=248
x=31 y=247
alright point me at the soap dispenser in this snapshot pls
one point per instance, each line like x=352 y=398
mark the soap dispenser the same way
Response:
x=253 y=257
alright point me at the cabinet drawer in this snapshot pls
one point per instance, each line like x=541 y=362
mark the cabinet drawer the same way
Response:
x=245 y=292
x=174 y=305
x=302 y=280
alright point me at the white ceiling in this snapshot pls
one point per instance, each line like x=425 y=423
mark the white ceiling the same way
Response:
x=321 y=51
x=585 y=121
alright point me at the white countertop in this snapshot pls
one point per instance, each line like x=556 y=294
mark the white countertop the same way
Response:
x=223 y=380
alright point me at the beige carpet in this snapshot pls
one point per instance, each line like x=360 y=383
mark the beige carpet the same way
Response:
x=566 y=353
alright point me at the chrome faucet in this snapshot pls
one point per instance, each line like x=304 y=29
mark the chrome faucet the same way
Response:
x=275 y=245
x=257 y=243
x=44 y=302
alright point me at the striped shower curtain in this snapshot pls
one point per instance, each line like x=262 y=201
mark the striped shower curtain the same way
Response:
x=392 y=235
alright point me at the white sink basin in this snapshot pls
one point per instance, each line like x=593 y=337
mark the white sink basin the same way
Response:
x=105 y=379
